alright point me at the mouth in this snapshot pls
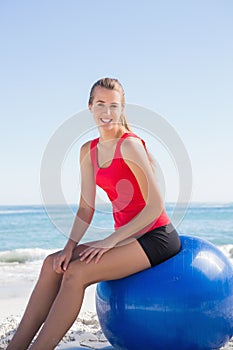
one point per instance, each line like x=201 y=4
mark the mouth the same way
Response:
x=105 y=121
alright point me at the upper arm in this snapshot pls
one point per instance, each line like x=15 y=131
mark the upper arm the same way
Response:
x=88 y=186
x=136 y=157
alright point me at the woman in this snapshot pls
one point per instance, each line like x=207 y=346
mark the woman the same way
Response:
x=118 y=162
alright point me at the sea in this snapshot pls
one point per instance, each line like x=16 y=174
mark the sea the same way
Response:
x=28 y=233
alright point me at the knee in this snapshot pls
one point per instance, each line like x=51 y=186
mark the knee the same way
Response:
x=74 y=274
x=47 y=265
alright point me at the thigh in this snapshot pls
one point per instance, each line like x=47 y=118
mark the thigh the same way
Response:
x=80 y=247
x=116 y=263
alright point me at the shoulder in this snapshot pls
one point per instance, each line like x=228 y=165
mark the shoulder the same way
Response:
x=132 y=145
x=85 y=149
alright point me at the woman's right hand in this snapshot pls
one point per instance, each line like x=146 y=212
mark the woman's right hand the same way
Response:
x=62 y=259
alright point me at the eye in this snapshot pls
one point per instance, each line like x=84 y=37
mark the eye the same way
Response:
x=114 y=106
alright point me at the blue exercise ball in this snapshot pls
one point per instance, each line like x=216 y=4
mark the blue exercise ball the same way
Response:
x=185 y=302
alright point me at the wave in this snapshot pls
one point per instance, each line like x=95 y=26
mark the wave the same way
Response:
x=227 y=249
x=24 y=255
x=37 y=254
x=20 y=210
x=201 y=206
x=16 y=211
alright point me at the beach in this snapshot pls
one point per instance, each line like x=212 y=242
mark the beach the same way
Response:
x=27 y=236
x=85 y=332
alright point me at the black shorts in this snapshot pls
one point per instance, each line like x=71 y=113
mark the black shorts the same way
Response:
x=160 y=243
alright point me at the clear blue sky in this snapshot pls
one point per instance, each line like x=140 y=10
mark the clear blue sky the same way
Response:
x=174 y=57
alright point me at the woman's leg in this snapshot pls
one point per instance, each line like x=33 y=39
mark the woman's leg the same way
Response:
x=117 y=263
x=39 y=304
x=41 y=299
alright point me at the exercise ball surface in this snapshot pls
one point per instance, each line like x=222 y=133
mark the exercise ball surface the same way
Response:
x=185 y=302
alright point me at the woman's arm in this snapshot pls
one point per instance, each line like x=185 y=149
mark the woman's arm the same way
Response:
x=87 y=198
x=85 y=211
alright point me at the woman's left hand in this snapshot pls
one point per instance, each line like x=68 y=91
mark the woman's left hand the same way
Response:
x=97 y=249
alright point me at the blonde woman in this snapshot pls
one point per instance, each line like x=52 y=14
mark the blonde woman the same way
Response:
x=143 y=236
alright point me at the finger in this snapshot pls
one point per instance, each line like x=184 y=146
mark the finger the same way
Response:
x=55 y=265
x=87 y=253
x=83 y=256
x=99 y=255
x=59 y=270
x=58 y=265
x=89 y=245
x=65 y=264
x=86 y=250
x=92 y=255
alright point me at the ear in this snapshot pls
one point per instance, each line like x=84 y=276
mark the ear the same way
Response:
x=90 y=107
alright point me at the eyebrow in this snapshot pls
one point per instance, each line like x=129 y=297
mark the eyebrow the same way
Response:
x=105 y=102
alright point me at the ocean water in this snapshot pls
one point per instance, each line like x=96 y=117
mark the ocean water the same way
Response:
x=29 y=233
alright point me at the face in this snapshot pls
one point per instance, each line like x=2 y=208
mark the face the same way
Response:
x=106 y=108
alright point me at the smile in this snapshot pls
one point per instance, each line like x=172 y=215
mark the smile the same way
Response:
x=105 y=121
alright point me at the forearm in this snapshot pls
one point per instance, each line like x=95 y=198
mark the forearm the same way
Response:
x=148 y=215
x=81 y=223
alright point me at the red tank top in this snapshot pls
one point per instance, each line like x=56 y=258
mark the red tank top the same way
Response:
x=122 y=188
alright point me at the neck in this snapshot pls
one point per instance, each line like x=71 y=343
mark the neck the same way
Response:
x=108 y=135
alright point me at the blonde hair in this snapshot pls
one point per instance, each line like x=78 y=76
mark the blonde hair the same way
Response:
x=111 y=84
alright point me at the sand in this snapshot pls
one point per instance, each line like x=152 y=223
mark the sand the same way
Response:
x=84 y=334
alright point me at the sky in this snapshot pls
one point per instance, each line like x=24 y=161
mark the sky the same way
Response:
x=172 y=57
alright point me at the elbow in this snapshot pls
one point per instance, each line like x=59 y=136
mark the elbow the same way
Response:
x=90 y=214
x=160 y=206
x=86 y=214
x=155 y=209
x=90 y=211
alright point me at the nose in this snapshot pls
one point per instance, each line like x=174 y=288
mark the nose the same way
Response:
x=107 y=110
